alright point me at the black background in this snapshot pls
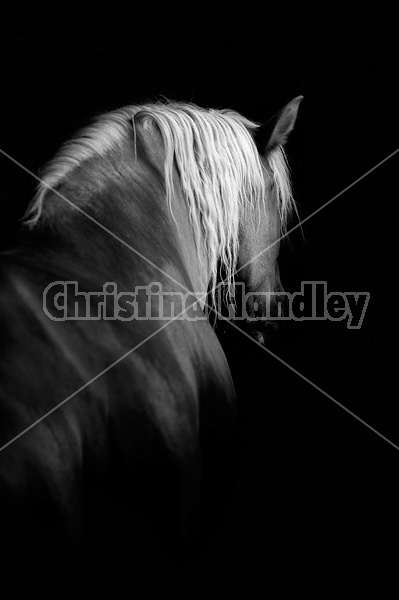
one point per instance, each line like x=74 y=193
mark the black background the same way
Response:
x=316 y=503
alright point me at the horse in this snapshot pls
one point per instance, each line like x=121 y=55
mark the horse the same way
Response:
x=135 y=410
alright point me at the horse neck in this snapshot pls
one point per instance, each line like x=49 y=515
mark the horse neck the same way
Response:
x=132 y=207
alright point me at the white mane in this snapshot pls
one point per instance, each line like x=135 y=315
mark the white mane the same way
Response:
x=219 y=168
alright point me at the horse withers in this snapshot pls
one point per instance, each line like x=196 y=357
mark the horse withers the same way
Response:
x=125 y=409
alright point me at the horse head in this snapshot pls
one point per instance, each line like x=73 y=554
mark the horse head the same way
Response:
x=262 y=229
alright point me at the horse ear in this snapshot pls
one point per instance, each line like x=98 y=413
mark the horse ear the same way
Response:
x=276 y=130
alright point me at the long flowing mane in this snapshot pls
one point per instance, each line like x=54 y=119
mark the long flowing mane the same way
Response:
x=213 y=151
